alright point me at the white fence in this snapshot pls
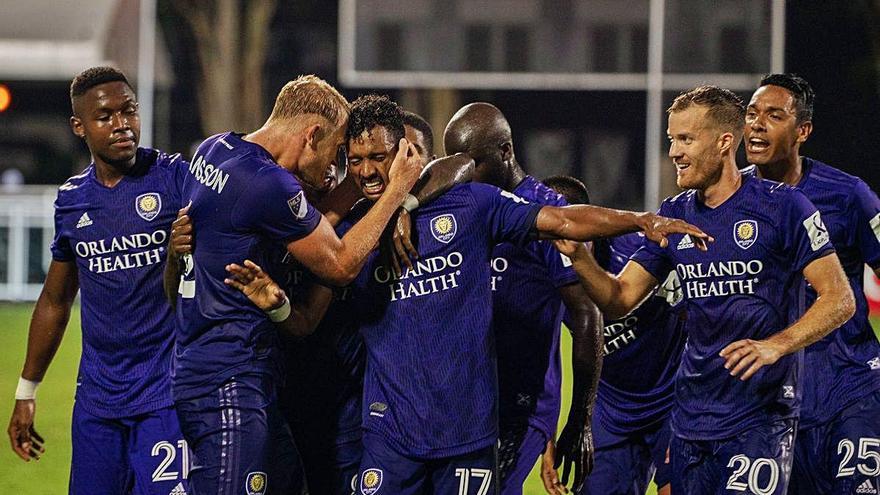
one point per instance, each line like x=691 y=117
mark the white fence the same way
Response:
x=26 y=230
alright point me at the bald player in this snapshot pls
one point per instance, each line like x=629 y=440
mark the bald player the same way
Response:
x=532 y=285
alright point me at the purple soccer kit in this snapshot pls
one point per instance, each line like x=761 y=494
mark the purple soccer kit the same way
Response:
x=839 y=430
x=430 y=390
x=227 y=366
x=526 y=318
x=321 y=396
x=125 y=434
x=732 y=435
x=641 y=356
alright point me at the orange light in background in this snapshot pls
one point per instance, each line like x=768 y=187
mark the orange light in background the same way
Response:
x=5 y=98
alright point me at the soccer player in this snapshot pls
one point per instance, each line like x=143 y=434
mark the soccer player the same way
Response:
x=837 y=442
x=531 y=286
x=429 y=409
x=641 y=355
x=321 y=398
x=248 y=204
x=111 y=228
x=738 y=386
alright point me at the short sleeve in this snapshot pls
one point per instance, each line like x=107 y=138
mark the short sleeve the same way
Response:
x=805 y=236
x=651 y=256
x=866 y=220
x=274 y=204
x=509 y=218
x=559 y=267
x=179 y=169
x=60 y=247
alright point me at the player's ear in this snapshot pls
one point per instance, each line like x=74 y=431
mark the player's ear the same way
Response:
x=725 y=142
x=506 y=152
x=804 y=130
x=313 y=134
x=76 y=126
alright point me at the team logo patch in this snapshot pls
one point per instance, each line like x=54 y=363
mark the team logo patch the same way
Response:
x=298 y=205
x=443 y=228
x=816 y=231
x=745 y=233
x=256 y=483
x=148 y=205
x=371 y=480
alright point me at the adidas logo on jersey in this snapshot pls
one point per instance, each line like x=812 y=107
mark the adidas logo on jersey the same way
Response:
x=178 y=490
x=685 y=243
x=84 y=221
x=866 y=488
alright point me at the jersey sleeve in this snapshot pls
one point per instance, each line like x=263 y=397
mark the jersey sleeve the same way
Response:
x=558 y=265
x=179 y=169
x=275 y=206
x=509 y=218
x=866 y=220
x=651 y=256
x=804 y=235
x=60 y=247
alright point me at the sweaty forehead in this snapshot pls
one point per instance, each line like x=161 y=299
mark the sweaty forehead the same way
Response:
x=108 y=95
x=771 y=96
x=691 y=120
x=374 y=140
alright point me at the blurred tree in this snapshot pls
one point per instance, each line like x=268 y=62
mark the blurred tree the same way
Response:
x=231 y=39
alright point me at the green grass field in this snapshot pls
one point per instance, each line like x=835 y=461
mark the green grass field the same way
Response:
x=54 y=405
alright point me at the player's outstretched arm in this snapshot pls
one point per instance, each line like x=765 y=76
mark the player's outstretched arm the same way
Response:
x=575 y=444
x=299 y=319
x=615 y=296
x=833 y=307
x=340 y=260
x=51 y=314
x=586 y=223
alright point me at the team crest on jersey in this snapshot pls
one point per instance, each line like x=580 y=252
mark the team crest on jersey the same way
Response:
x=745 y=233
x=256 y=483
x=148 y=205
x=371 y=480
x=444 y=227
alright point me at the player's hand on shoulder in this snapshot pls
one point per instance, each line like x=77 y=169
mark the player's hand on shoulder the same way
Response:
x=406 y=167
x=26 y=442
x=658 y=228
x=257 y=285
x=745 y=357
x=181 y=242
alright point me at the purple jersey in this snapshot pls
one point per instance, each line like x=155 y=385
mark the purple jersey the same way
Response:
x=526 y=317
x=845 y=364
x=117 y=237
x=748 y=285
x=642 y=352
x=244 y=206
x=431 y=383
x=324 y=371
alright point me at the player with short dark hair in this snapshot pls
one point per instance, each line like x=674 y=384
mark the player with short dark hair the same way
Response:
x=573 y=190
x=641 y=355
x=532 y=285
x=111 y=228
x=839 y=426
x=738 y=387
x=419 y=132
